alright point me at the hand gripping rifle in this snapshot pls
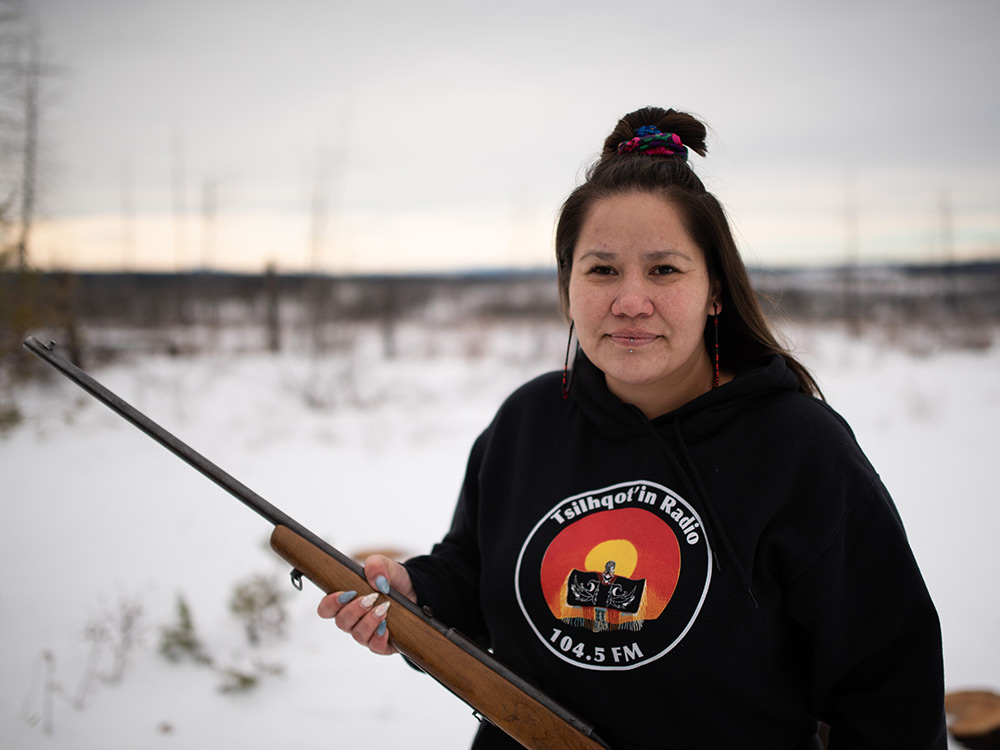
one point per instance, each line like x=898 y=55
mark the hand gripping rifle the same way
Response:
x=492 y=690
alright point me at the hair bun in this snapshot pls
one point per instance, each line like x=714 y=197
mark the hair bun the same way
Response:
x=649 y=141
x=657 y=128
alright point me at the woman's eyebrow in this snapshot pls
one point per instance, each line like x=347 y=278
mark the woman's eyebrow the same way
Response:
x=663 y=254
x=599 y=255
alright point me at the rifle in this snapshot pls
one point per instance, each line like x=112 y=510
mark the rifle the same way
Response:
x=490 y=688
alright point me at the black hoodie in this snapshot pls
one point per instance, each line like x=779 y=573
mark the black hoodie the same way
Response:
x=722 y=576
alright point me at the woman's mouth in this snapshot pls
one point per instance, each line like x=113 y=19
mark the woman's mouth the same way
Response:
x=632 y=339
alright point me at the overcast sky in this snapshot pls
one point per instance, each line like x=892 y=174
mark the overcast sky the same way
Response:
x=403 y=135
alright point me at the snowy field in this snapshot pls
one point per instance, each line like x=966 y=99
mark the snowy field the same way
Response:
x=369 y=452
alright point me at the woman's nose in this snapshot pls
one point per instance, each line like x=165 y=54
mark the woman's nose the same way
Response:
x=632 y=300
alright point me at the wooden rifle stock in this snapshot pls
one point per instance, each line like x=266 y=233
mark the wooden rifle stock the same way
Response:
x=471 y=673
x=460 y=665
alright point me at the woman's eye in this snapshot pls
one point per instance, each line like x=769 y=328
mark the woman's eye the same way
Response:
x=602 y=270
x=664 y=270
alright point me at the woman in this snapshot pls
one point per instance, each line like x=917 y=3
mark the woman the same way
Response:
x=678 y=539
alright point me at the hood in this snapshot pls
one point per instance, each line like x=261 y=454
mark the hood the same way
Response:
x=700 y=417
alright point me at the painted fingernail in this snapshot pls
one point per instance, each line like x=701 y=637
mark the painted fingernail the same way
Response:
x=382 y=626
x=369 y=600
x=382 y=584
x=345 y=597
x=381 y=609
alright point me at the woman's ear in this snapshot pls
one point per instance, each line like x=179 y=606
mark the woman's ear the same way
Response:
x=716 y=299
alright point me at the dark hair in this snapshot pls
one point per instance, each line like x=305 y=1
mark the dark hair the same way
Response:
x=745 y=334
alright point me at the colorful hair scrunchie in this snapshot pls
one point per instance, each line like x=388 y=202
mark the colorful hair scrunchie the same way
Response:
x=649 y=141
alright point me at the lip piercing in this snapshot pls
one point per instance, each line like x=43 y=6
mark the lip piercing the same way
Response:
x=631 y=341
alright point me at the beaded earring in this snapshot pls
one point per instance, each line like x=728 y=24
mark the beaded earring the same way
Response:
x=715 y=316
x=566 y=374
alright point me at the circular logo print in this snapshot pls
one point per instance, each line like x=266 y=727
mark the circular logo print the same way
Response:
x=614 y=578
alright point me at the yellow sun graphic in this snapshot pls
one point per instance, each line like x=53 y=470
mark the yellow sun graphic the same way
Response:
x=622 y=551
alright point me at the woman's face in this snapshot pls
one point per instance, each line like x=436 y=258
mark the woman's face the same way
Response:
x=639 y=296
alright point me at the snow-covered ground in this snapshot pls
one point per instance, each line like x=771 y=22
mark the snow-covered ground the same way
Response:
x=369 y=452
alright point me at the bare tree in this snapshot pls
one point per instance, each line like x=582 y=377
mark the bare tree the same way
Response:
x=21 y=72
x=26 y=303
x=29 y=169
x=11 y=42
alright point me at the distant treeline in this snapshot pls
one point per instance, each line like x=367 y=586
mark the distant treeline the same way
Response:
x=919 y=293
x=154 y=299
